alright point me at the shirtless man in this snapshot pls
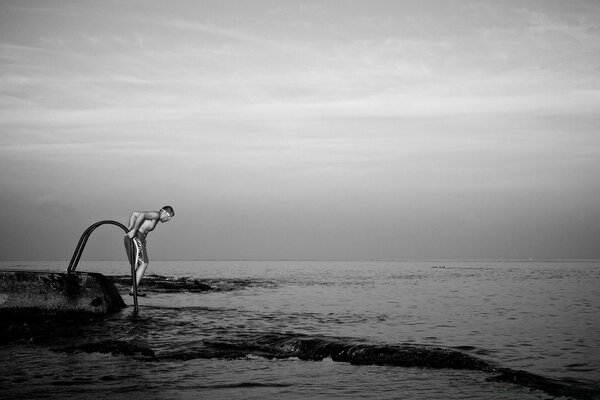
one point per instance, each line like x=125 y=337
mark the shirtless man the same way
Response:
x=140 y=223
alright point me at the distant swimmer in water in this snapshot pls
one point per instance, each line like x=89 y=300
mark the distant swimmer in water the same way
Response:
x=140 y=224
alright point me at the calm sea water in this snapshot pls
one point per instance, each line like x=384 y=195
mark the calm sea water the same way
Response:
x=275 y=329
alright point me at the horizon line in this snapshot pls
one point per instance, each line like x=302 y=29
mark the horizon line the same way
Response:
x=328 y=260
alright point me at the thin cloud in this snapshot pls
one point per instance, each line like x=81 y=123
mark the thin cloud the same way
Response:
x=379 y=117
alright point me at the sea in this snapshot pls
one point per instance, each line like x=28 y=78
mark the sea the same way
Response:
x=319 y=330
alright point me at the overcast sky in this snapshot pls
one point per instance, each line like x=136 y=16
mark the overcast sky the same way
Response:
x=302 y=129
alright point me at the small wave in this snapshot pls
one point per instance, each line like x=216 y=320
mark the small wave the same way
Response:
x=244 y=385
x=474 y=350
x=580 y=367
x=72 y=383
x=328 y=318
x=114 y=347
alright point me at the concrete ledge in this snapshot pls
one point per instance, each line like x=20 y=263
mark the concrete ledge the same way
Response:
x=26 y=291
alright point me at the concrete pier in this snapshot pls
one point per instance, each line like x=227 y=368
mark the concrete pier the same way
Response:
x=25 y=291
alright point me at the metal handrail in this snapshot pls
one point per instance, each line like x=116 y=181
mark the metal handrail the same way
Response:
x=129 y=248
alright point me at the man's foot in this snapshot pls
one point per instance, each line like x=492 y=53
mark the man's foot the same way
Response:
x=140 y=294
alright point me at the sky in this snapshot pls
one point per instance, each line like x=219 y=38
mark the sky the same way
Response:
x=288 y=130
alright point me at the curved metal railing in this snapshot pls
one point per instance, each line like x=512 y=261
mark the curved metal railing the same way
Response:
x=129 y=248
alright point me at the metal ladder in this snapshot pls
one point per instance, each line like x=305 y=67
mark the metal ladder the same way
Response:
x=129 y=248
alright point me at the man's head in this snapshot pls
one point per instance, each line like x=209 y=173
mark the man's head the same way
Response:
x=166 y=213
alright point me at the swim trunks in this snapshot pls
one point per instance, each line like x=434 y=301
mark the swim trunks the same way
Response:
x=141 y=255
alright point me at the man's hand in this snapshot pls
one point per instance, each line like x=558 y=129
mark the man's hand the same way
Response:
x=131 y=234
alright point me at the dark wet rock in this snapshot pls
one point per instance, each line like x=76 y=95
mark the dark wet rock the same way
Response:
x=310 y=348
x=319 y=348
x=169 y=284
x=97 y=302
x=30 y=291
x=397 y=355
x=164 y=284
x=553 y=387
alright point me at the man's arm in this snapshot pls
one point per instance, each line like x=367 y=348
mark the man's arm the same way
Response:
x=138 y=219
x=132 y=219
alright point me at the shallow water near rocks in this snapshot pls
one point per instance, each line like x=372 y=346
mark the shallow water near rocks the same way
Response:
x=284 y=329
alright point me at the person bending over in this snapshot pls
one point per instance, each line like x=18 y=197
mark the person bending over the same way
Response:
x=140 y=224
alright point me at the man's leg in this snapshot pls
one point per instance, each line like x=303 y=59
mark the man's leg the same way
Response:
x=139 y=273
x=141 y=262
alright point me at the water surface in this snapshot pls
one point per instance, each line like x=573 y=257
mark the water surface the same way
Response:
x=320 y=329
